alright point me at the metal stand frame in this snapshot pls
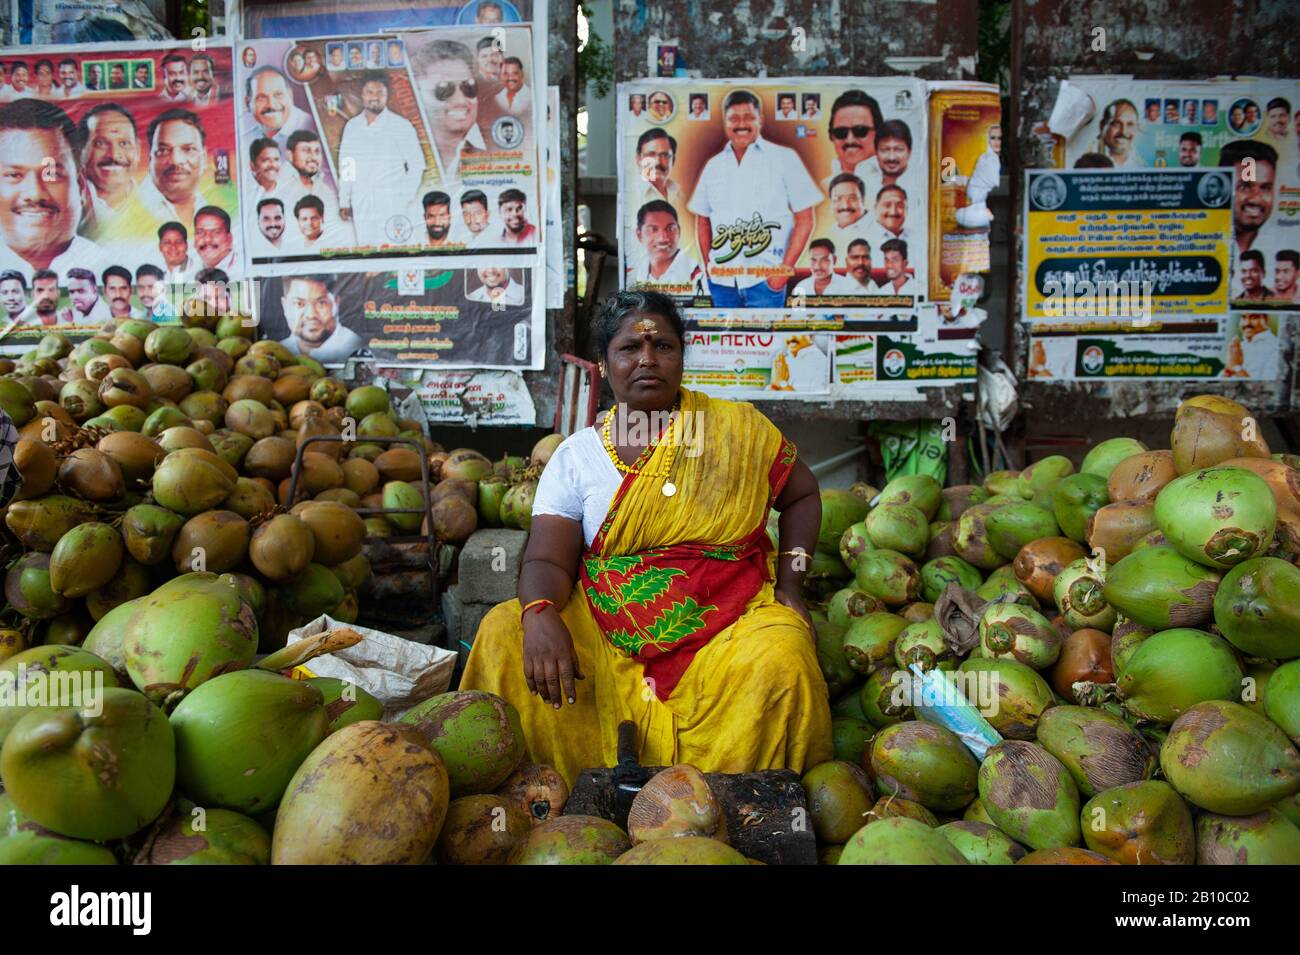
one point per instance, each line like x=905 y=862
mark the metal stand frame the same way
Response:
x=435 y=593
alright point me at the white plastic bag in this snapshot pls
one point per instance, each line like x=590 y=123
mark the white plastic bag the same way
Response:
x=399 y=673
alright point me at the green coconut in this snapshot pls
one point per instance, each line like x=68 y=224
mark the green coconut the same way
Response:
x=312 y=592
x=925 y=763
x=937 y=574
x=95 y=773
x=29 y=590
x=898 y=527
x=922 y=643
x=900 y=841
x=573 y=840
x=919 y=490
x=40 y=523
x=1173 y=670
x=107 y=638
x=1075 y=499
x=1266 y=838
x=190 y=483
x=346 y=703
x=133 y=580
x=1002 y=482
x=1218 y=516
x=1160 y=588
x=868 y=642
x=840 y=796
x=853 y=543
x=241 y=736
x=86 y=558
x=970 y=538
x=834 y=663
x=1140 y=823
x=189 y=630
x=1099 y=749
x=1103 y=457
x=690 y=850
x=982 y=843
x=208 y=836
x=849 y=735
x=23 y=842
x=1005 y=588
x=477 y=734
x=1011 y=526
x=1012 y=631
x=1010 y=695
x=1030 y=795
x=367 y=400
x=149 y=531
x=849 y=604
x=1079 y=592
x=1257 y=607
x=1225 y=758
x=50 y=676
x=882 y=697
x=889 y=576
x=1036 y=482
x=840 y=510
x=401 y=495
x=1282 y=699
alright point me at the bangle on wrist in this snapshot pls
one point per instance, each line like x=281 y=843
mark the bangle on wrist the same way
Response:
x=541 y=604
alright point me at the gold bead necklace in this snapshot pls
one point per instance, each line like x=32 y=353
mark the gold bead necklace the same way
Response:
x=668 y=487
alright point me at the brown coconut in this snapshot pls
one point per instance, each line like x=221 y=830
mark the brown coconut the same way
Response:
x=399 y=464
x=38 y=466
x=320 y=472
x=215 y=541
x=1140 y=477
x=454 y=519
x=1117 y=528
x=537 y=790
x=360 y=476
x=289 y=389
x=249 y=386
x=1085 y=656
x=282 y=548
x=1038 y=563
x=135 y=454
x=484 y=829
x=93 y=475
x=338 y=530
x=168 y=381
x=299 y=409
x=270 y=458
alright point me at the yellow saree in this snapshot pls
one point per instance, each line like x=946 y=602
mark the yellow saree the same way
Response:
x=674 y=621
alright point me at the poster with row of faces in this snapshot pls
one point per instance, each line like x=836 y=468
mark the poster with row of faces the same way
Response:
x=136 y=179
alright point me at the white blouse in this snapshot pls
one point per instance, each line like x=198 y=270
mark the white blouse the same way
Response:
x=579 y=482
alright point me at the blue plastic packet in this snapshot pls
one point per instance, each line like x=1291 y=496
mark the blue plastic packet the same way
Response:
x=936 y=696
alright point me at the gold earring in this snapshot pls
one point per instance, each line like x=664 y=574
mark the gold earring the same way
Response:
x=601 y=369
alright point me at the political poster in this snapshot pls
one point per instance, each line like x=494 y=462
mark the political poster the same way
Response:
x=767 y=365
x=1250 y=126
x=1132 y=245
x=118 y=183
x=965 y=166
x=478 y=397
x=291 y=19
x=458 y=317
x=383 y=146
x=1246 y=345
x=757 y=194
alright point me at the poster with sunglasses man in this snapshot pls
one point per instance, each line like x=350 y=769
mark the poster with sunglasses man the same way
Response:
x=783 y=163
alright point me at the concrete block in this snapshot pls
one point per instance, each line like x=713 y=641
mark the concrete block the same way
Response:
x=471 y=615
x=489 y=566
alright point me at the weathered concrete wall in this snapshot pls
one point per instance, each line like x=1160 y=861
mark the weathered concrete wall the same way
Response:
x=725 y=38
x=1167 y=39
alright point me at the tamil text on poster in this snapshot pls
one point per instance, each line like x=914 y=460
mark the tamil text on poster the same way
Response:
x=458 y=317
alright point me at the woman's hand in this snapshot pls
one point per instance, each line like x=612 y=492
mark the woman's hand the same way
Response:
x=795 y=602
x=550 y=663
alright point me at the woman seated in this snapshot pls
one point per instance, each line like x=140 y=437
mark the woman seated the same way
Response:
x=648 y=591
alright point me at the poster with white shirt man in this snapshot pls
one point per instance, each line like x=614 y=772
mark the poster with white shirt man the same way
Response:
x=734 y=199
x=98 y=164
